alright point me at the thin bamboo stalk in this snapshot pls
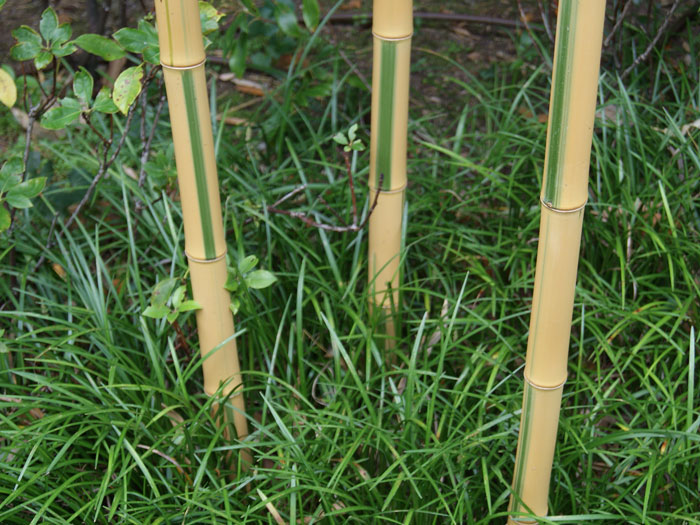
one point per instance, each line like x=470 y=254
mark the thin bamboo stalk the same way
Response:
x=182 y=57
x=392 y=30
x=564 y=193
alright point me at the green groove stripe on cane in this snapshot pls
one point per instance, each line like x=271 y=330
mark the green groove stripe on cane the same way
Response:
x=387 y=81
x=200 y=174
x=561 y=100
x=524 y=448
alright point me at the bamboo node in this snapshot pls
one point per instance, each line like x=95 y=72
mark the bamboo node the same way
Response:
x=395 y=39
x=389 y=192
x=204 y=261
x=194 y=66
x=550 y=206
x=540 y=387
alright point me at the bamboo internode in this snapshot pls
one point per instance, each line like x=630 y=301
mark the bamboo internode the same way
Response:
x=392 y=30
x=182 y=57
x=563 y=199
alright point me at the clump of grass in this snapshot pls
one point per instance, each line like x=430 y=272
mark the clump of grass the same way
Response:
x=102 y=419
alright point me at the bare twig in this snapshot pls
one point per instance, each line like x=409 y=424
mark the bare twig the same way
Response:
x=523 y=17
x=641 y=58
x=147 y=147
x=618 y=23
x=545 y=20
x=354 y=68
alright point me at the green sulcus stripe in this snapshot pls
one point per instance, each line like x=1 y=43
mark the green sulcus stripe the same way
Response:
x=387 y=78
x=524 y=447
x=200 y=174
x=561 y=100
x=170 y=32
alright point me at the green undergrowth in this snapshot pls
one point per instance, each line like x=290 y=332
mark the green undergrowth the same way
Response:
x=102 y=415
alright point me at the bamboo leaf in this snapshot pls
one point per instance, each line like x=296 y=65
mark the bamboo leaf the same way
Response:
x=127 y=87
x=101 y=46
x=83 y=85
x=311 y=14
x=8 y=89
x=60 y=117
x=260 y=279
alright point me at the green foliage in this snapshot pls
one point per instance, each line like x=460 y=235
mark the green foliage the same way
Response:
x=244 y=276
x=14 y=192
x=349 y=142
x=168 y=301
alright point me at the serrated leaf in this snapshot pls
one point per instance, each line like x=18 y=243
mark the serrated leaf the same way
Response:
x=28 y=43
x=5 y=219
x=17 y=200
x=48 y=24
x=83 y=84
x=60 y=117
x=178 y=296
x=247 y=263
x=340 y=138
x=133 y=40
x=43 y=59
x=188 y=306
x=260 y=279
x=101 y=46
x=287 y=20
x=162 y=290
x=103 y=102
x=127 y=87
x=156 y=312
x=311 y=14
x=8 y=89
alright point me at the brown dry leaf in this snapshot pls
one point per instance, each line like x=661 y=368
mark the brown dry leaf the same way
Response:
x=475 y=56
x=351 y=4
x=243 y=85
x=130 y=172
x=59 y=270
x=462 y=31
x=233 y=121
x=271 y=509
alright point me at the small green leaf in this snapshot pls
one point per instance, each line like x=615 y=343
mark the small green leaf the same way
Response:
x=60 y=117
x=156 y=312
x=235 y=306
x=162 y=291
x=127 y=87
x=17 y=200
x=260 y=279
x=8 y=89
x=30 y=188
x=133 y=40
x=357 y=146
x=247 y=263
x=209 y=17
x=13 y=166
x=231 y=283
x=237 y=62
x=5 y=219
x=172 y=316
x=83 y=84
x=43 y=59
x=187 y=306
x=101 y=46
x=48 y=24
x=61 y=34
x=311 y=14
x=352 y=132
x=61 y=50
x=28 y=43
x=152 y=55
x=340 y=138
x=178 y=296
x=103 y=102
x=287 y=20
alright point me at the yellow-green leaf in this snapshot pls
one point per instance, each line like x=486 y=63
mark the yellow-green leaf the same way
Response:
x=8 y=89
x=127 y=87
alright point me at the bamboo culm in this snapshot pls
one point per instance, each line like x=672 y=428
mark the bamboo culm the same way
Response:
x=564 y=194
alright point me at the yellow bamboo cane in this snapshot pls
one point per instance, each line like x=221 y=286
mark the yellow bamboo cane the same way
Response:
x=182 y=57
x=564 y=194
x=392 y=29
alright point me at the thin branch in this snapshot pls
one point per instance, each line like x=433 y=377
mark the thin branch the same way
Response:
x=354 y=68
x=641 y=58
x=545 y=20
x=618 y=23
x=352 y=186
x=147 y=148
